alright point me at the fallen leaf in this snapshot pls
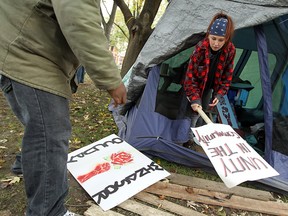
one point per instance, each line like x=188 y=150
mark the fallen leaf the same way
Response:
x=86 y=117
x=15 y=180
x=206 y=206
x=3 y=141
x=5 y=213
x=221 y=213
x=192 y=204
x=9 y=181
x=6 y=180
x=76 y=141
x=4 y=185
x=165 y=180
x=220 y=209
x=279 y=201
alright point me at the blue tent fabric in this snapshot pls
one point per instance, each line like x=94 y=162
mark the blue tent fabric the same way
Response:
x=148 y=123
x=156 y=135
x=266 y=88
x=277 y=160
x=277 y=183
x=284 y=106
x=158 y=147
x=280 y=164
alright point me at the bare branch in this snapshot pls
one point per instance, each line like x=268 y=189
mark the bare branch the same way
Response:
x=107 y=11
x=151 y=7
x=113 y=13
x=121 y=30
x=125 y=10
x=103 y=19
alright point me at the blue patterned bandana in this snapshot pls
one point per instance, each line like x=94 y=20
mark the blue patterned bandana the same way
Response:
x=218 y=27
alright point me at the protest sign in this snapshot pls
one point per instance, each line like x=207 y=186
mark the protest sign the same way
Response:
x=233 y=158
x=112 y=171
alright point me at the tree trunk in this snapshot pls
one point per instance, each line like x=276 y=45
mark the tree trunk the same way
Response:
x=137 y=40
x=139 y=29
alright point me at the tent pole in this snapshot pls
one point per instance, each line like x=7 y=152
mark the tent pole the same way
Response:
x=266 y=90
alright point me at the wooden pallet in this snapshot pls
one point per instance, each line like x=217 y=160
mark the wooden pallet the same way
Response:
x=152 y=201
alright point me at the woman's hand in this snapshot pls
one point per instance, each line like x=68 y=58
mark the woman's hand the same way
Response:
x=195 y=107
x=214 y=102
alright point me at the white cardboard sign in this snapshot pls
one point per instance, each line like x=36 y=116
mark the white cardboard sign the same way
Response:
x=233 y=158
x=111 y=171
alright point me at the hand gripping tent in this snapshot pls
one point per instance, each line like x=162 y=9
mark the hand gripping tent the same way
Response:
x=155 y=118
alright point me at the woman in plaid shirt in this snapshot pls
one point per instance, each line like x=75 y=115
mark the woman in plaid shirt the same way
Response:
x=210 y=69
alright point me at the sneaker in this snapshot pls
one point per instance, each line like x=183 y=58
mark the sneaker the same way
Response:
x=16 y=167
x=68 y=213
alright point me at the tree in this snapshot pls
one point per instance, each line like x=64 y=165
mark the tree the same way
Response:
x=139 y=25
x=119 y=35
x=114 y=26
x=108 y=25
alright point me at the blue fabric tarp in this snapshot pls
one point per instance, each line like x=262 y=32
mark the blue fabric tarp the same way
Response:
x=155 y=134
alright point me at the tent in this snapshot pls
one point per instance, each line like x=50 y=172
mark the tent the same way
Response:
x=154 y=120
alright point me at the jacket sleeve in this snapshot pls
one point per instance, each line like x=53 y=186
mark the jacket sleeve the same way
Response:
x=80 y=22
x=191 y=83
x=227 y=74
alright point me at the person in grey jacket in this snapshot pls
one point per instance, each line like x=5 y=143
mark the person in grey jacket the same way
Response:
x=41 y=45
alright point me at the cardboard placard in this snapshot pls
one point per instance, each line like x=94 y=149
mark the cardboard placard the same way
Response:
x=233 y=158
x=111 y=171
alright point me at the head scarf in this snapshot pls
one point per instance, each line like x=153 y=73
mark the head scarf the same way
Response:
x=218 y=27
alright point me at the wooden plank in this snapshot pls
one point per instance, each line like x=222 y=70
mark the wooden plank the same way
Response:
x=167 y=205
x=96 y=210
x=141 y=209
x=219 y=199
x=219 y=187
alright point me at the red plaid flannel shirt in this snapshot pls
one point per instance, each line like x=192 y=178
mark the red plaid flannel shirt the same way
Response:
x=198 y=68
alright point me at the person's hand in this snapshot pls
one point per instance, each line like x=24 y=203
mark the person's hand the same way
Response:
x=195 y=107
x=118 y=95
x=214 y=102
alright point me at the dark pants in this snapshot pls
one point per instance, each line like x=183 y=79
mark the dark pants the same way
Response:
x=45 y=117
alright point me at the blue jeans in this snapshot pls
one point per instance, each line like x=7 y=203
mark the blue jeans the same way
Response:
x=80 y=74
x=46 y=121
